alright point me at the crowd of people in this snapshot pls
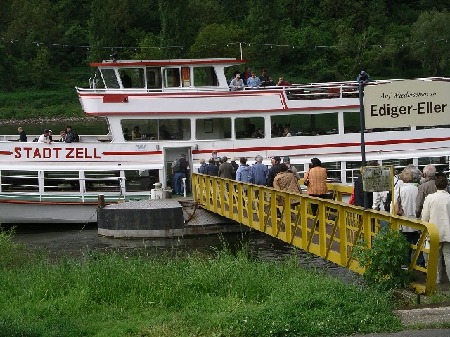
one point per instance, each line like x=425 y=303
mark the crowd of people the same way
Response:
x=249 y=79
x=66 y=136
x=281 y=174
x=420 y=195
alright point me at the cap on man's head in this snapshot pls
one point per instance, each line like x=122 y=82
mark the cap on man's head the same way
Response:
x=286 y=159
x=224 y=158
x=183 y=155
x=46 y=131
x=276 y=158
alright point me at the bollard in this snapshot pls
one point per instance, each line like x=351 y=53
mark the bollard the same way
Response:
x=184 y=186
x=101 y=201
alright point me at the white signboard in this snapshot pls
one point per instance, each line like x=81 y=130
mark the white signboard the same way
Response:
x=376 y=178
x=407 y=103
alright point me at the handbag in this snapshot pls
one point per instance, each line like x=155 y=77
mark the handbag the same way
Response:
x=398 y=205
x=306 y=181
x=351 y=201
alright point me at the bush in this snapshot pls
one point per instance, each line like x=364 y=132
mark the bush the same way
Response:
x=383 y=262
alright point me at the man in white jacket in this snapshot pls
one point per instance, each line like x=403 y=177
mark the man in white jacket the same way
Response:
x=436 y=210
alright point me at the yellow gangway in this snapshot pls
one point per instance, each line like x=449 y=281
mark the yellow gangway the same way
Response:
x=331 y=233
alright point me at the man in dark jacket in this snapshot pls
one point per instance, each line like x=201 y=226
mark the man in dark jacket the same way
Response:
x=274 y=170
x=226 y=170
x=212 y=169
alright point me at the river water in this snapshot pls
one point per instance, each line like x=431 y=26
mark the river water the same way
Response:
x=72 y=240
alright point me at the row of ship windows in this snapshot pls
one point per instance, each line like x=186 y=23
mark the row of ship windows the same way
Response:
x=245 y=127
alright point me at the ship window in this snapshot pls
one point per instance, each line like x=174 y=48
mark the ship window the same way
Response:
x=61 y=181
x=102 y=181
x=248 y=127
x=205 y=76
x=352 y=124
x=25 y=181
x=110 y=79
x=213 y=128
x=132 y=77
x=171 y=77
x=153 y=78
x=304 y=125
x=156 y=129
x=141 y=180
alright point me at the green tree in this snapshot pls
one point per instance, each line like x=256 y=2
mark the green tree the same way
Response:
x=218 y=41
x=175 y=27
x=40 y=69
x=431 y=33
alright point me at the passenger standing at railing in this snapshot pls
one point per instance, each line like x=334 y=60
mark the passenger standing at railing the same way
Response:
x=246 y=75
x=436 y=209
x=237 y=83
x=283 y=83
x=316 y=182
x=253 y=81
x=45 y=137
x=264 y=78
x=22 y=135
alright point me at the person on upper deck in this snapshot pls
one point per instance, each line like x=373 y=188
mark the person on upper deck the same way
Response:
x=71 y=136
x=283 y=83
x=253 y=81
x=363 y=77
x=45 y=137
x=264 y=78
x=22 y=135
x=246 y=75
x=237 y=83
x=126 y=80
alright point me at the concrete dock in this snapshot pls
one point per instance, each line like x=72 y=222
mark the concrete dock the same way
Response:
x=161 y=218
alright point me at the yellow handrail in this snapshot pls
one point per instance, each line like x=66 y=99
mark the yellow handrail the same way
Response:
x=331 y=233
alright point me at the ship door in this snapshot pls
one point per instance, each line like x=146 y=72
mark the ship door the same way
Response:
x=170 y=155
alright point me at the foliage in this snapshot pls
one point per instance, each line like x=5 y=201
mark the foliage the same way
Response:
x=431 y=32
x=132 y=294
x=384 y=260
x=302 y=40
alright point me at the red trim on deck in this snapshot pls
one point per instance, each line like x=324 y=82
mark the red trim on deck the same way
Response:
x=130 y=153
x=116 y=98
x=225 y=62
x=331 y=145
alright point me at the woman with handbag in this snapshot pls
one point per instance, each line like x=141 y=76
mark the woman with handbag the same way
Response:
x=316 y=182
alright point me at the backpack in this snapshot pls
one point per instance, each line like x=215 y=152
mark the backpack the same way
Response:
x=76 y=138
x=176 y=167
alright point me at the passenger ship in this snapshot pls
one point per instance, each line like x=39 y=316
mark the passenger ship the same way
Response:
x=159 y=109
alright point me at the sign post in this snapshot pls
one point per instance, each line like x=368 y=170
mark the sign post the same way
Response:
x=362 y=128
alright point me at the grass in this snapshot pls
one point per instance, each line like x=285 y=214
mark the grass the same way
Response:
x=58 y=100
x=118 y=294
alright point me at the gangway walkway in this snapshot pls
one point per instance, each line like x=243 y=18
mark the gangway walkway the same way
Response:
x=331 y=234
